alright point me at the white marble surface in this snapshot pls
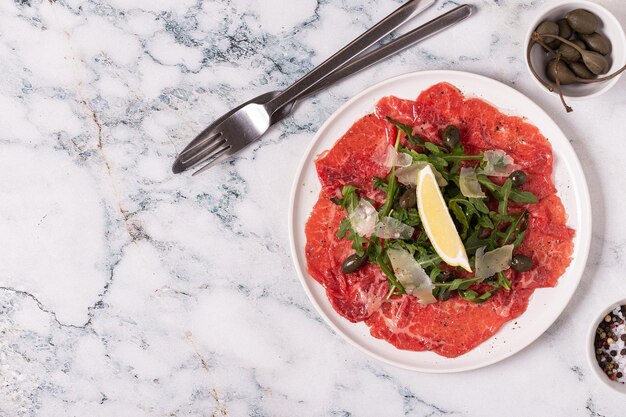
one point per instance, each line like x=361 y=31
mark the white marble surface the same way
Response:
x=128 y=291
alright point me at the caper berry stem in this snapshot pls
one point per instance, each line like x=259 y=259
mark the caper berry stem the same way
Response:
x=568 y=109
x=539 y=39
x=565 y=41
x=532 y=68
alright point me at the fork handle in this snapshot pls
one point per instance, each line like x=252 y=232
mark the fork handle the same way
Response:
x=354 y=48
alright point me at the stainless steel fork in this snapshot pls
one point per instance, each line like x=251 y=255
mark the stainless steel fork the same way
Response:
x=248 y=122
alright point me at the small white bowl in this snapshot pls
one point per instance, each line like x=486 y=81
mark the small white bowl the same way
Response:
x=591 y=350
x=610 y=27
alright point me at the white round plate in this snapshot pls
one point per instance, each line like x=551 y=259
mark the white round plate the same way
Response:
x=545 y=305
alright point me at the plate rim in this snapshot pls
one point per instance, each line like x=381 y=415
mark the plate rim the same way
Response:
x=584 y=215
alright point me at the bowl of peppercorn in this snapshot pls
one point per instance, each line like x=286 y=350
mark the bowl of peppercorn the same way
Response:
x=606 y=346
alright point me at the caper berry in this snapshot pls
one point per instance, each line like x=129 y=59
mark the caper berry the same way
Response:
x=353 y=263
x=597 y=42
x=518 y=178
x=548 y=27
x=408 y=199
x=521 y=263
x=568 y=53
x=595 y=61
x=451 y=136
x=565 y=30
x=581 y=70
x=566 y=76
x=582 y=21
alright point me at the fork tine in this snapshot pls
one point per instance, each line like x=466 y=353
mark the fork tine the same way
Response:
x=201 y=148
x=200 y=140
x=204 y=152
x=217 y=156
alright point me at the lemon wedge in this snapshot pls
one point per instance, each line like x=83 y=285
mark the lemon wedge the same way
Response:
x=437 y=221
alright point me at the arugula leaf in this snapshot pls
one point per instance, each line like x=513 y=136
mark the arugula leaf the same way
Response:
x=458 y=284
x=473 y=296
x=505 y=191
x=409 y=217
x=380 y=183
x=392 y=188
x=503 y=281
x=523 y=197
x=452 y=158
x=350 y=198
x=480 y=205
x=408 y=131
x=474 y=242
x=515 y=227
x=460 y=216
x=344 y=227
x=515 y=195
x=395 y=288
x=432 y=148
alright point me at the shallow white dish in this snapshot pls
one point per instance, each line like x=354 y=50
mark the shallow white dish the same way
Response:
x=610 y=27
x=591 y=351
x=545 y=305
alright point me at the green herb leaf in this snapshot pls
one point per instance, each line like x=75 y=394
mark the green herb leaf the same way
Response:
x=473 y=296
x=432 y=148
x=408 y=131
x=505 y=191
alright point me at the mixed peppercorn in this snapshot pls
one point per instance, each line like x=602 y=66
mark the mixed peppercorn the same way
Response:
x=610 y=344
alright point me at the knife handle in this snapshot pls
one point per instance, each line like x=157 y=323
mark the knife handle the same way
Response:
x=403 y=42
x=346 y=54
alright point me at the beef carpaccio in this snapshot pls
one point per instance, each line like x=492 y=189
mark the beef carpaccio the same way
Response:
x=453 y=327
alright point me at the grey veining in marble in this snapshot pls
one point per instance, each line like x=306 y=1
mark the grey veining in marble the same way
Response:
x=128 y=291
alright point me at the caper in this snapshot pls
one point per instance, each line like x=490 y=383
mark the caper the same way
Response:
x=408 y=199
x=446 y=276
x=521 y=263
x=518 y=178
x=596 y=62
x=565 y=30
x=451 y=136
x=597 y=42
x=581 y=70
x=582 y=21
x=566 y=76
x=548 y=27
x=568 y=53
x=353 y=263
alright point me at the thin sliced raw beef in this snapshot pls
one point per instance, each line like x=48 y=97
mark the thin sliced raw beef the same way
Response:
x=355 y=296
x=449 y=328
x=548 y=241
x=357 y=157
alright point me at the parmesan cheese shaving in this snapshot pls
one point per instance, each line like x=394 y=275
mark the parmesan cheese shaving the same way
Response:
x=494 y=261
x=411 y=275
x=397 y=159
x=470 y=187
x=408 y=175
x=499 y=164
x=363 y=218
x=390 y=228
